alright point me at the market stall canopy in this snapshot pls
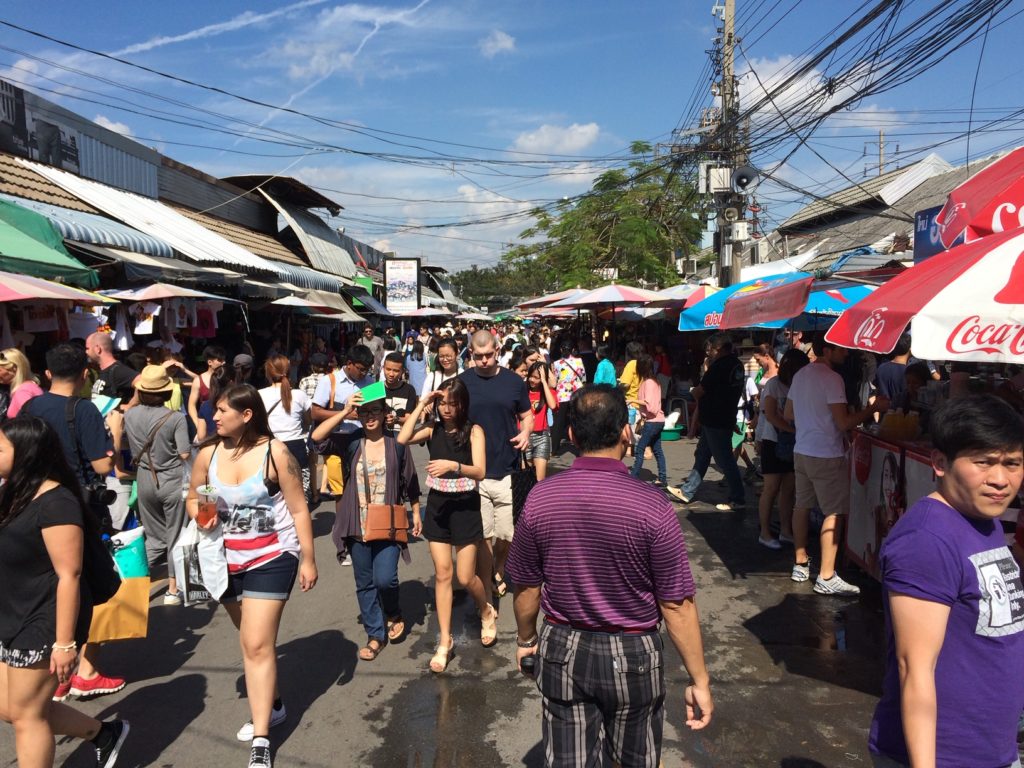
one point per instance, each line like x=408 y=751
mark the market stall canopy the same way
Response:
x=474 y=316
x=707 y=315
x=966 y=304
x=989 y=202
x=551 y=298
x=675 y=296
x=359 y=295
x=158 y=220
x=30 y=245
x=89 y=228
x=158 y=291
x=606 y=295
x=15 y=287
x=700 y=294
x=426 y=312
x=785 y=297
x=140 y=267
x=336 y=307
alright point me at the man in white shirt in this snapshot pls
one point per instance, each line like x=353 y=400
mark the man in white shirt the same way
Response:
x=343 y=382
x=817 y=406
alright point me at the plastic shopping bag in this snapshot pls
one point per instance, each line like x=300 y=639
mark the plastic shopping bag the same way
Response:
x=129 y=549
x=200 y=564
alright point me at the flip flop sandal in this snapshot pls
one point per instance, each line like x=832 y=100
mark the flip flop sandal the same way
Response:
x=396 y=629
x=500 y=587
x=489 y=634
x=371 y=650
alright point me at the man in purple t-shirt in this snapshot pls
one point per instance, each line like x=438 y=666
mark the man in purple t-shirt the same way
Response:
x=602 y=553
x=954 y=678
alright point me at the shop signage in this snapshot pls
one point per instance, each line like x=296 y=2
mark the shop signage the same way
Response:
x=402 y=284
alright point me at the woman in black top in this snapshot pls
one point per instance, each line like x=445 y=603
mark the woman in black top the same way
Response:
x=457 y=464
x=45 y=604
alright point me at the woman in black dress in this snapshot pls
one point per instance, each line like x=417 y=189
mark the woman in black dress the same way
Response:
x=457 y=464
x=45 y=603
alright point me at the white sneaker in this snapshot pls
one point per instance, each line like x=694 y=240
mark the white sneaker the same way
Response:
x=801 y=572
x=347 y=560
x=676 y=492
x=172 y=598
x=770 y=543
x=277 y=716
x=835 y=586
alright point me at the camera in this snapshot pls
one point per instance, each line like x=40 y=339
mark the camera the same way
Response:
x=97 y=494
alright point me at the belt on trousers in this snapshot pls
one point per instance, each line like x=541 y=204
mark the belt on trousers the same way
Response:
x=609 y=630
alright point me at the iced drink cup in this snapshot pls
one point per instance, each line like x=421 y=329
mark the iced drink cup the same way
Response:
x=207 y=505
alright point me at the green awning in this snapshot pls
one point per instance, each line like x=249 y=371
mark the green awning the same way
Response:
x=30 y=245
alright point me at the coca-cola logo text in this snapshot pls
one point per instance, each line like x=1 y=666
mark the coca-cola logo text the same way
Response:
x=972 y=334
x=1002 y=223
x=867 y=334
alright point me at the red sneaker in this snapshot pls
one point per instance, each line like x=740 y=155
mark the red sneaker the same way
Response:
x=63 y=691
x=98 y=686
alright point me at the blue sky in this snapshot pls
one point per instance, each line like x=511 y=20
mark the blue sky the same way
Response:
x=523 y=81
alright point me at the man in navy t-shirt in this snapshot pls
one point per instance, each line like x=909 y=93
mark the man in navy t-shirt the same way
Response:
x=500 y=403
x=954 y=602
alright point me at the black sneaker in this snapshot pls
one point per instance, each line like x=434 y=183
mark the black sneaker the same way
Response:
x=259 y=756
x=112 y=736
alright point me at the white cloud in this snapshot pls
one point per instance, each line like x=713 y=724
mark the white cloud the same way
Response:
x=112 y=125
x=495 y=43
x=558 y=140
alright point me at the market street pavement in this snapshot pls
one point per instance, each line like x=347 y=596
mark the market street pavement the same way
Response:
x=795 y=675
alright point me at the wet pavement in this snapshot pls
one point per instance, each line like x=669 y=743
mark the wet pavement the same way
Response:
x=795 y=675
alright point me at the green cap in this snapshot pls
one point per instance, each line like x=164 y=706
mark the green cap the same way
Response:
x=373 y=392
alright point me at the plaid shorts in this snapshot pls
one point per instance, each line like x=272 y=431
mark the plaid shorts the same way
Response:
x=604 y=697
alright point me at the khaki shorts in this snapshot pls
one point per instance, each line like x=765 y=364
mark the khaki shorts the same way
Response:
x=822 y=482
x=496 y=508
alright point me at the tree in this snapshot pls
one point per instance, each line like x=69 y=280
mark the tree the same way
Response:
x=500 y=286
x=633 y=220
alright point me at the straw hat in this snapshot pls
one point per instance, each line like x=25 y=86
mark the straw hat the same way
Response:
x=154 y=378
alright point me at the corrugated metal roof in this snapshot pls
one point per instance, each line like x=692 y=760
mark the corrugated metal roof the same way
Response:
x=259 y=243
x=311 y=279
x=92 y=228
x=159 y=220
x=285 y=189
x=871 y=192
x=20 y=181
x=321 y=243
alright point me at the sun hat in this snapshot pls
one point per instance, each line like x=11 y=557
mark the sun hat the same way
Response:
x=154 y=378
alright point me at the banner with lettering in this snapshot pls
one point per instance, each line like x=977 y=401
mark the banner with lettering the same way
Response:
x=965 y=304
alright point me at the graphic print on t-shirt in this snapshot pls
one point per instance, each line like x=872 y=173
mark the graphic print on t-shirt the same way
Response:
x=250 y=519
x=1001 y=608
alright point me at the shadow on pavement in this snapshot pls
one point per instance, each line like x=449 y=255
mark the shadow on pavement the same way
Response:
x=835 y=641
x=170 y=643
x=323 y=520
x=159 y=715
x=800 y=762
x=307 y=668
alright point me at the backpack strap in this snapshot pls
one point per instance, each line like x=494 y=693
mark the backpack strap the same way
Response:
x=330 y=400
x=147 y=449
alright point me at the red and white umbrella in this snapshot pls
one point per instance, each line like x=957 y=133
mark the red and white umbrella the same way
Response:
x=966 y=304
x=989 y=202
x=551 y=298
x=608 y=295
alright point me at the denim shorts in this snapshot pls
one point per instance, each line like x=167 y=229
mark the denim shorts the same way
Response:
x=270 y=581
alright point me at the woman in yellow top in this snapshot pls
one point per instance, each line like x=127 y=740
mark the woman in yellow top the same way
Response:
x=629 y=380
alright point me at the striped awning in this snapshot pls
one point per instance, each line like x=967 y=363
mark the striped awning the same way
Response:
x=97 y=230
x=309 y=279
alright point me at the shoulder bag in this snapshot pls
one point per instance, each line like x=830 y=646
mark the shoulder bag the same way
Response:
x=384 y=522
x=524 y=477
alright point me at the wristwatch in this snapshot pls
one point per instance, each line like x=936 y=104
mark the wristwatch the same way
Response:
x=529 y=643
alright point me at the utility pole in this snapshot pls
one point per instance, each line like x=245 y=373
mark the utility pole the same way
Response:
x=731 y=153
x=882 y=144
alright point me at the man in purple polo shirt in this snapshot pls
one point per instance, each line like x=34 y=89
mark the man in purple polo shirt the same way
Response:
x=604 y=556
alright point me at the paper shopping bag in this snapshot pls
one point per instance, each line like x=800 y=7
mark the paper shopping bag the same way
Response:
x=125 y=615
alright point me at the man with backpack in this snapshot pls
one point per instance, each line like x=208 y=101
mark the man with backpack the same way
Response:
x=89 y=451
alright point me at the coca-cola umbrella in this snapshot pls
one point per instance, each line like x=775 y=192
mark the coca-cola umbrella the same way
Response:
x=966 y=304
x=989 y=202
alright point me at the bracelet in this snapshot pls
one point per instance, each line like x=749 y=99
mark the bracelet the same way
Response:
x=529 y=643
x=458 y=470
x=69 y=647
